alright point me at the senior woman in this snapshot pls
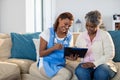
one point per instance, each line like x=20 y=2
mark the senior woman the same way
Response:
x=97 y=63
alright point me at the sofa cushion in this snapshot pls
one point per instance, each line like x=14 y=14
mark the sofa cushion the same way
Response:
x=117 y=76
x=5 y=47
x=23 y=64
x=3 y=36
x=23 y=46
x=37 y=43
x=9 y=71
x=116 y=39
x=34 y=71
x=30 y=77
x=71 y=65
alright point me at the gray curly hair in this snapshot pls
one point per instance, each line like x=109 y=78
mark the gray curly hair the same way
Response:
x=94 y=17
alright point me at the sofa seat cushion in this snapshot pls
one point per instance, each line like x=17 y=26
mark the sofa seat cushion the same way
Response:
x=29 y=77
x=34 y=71
x=9 y=71
x=71 y=65
x=3 y=59
x=23 y=64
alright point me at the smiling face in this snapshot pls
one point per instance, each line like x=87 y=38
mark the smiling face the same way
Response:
x=91 y=28
x=93 y=21
x=64 y=25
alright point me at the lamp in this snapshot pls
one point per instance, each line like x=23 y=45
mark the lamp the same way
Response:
x=77 y=27
x=78 y=21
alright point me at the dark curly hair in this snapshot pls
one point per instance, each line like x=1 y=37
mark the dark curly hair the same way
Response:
x=63 y=16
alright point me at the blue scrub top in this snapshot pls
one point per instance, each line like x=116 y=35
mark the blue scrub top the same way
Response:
x=53 y=62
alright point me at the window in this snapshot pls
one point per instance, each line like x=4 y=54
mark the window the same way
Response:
x=116 y=22
x=39 y=15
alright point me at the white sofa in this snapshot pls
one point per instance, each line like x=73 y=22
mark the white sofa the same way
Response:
x=25 y=69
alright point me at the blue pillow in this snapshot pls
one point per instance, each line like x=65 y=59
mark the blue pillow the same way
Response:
x=23 y=46
x=116 y=39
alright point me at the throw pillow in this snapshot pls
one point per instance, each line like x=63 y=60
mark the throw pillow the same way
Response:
x=37 y=43
x=39 y=59
x=116 y=39
x=23 y=46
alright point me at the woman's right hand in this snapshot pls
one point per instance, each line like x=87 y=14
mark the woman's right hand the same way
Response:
x=58 y=46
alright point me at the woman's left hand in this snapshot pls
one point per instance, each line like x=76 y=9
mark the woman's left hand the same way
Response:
x=72 y=57
x=88 y=65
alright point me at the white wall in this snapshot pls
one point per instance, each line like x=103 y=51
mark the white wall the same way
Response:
x=12 y=16
x=18 y=15
x=80 y=7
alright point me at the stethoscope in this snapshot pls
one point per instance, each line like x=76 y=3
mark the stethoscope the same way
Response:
x=63 y=42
